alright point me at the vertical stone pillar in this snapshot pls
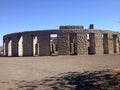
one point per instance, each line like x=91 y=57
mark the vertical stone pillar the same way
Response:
x=110 y=43
x=98 y=43
x=44 y=44
x=53 y=48
x=5 y=42
x=63 y=44
x=115 y=43
x=105 y=43
x=37 y=49
x=4 y=49
x=20 y=46
x=82 y=47
x=14 y=45
x=27 y=45
x=92 y=43
x=73 y=43
x=10 y=47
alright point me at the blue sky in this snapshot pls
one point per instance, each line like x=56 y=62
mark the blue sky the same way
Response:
x=25 y=15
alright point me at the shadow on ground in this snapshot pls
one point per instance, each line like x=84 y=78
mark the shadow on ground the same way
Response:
x=97 y=80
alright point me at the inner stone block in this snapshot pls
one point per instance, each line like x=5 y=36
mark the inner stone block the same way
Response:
x=105 y=44
x=73 y=43
x=92 y=43
x=53 y=44
x=63 y=44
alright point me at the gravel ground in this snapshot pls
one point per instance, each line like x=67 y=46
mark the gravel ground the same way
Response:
x=95 y=72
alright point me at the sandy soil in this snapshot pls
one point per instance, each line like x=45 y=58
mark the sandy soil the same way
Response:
x=16 y=72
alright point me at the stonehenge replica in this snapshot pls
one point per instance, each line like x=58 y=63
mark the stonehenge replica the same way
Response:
x=67 y=40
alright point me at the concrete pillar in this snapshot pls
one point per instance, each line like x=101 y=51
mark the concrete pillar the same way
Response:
x=82 y=47
x=5 y=43
x=105 y=44
x=10 y=47
x=4 y=49
x=14 y=46
x=27 y=45
x=53 y=48
x=34 y=44
x=37 y=49
x=98 y=43
x=44 y=44
x=20 y=46
x=116 y=44
x=63 y=44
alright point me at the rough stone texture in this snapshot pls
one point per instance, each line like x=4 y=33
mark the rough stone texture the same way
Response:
x=82 y=48
x=73 y=43
x=116 y=45
x=72 y=48
x=92 y=43
x=70 y=40
x=2 y=49
x=71 y=27
x=14 y=46
x=44 y=44
x=105 y=43
x=63 y=44
x=27 y=45
x=98 y=43
x=110 y=44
